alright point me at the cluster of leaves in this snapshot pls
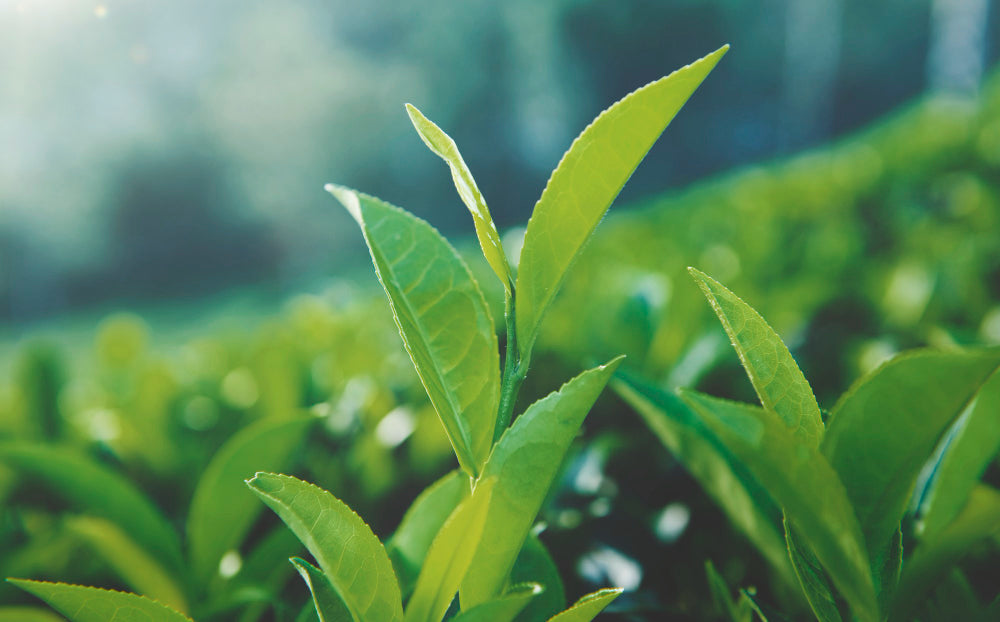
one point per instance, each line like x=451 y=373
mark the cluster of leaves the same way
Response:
x=467 y=533
x=847 y=487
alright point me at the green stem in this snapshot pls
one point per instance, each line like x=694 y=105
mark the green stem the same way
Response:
x=513 y=373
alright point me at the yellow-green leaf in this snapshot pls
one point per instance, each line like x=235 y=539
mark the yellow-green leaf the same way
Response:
x=443 y=319
x=584 y=184
x=503 y=608
x=587 y=608
x=489 y=240
x=92 y=604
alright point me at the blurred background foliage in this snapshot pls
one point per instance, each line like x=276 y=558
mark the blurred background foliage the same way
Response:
x=170 y=270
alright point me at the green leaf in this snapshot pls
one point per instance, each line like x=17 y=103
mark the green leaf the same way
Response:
x=525 y=462
x=407 y=548
x=504 y=608
x=449 y=557
x=804 y=485
x=222 y=511
x=98 y=490
x=885 y=428
x=345 y=547
x=813 y=579
x=975 y=443
x=443 y=319
x=92 y=604
x=535 y=565
x=886 y=566
x=329 y=606
x=749 y=507
x=978 y=520
x=28 y=614
x=779 y=382
x=135 y=566
x=584 y=184
x=587 y=608
x=489 y=240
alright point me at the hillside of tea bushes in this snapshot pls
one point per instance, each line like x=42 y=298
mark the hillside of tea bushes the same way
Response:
x=886 y=240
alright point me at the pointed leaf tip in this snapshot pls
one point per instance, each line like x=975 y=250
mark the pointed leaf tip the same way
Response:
x=348 y=198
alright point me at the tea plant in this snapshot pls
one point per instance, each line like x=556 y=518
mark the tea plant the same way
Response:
x=469 y=533
x=845 y=486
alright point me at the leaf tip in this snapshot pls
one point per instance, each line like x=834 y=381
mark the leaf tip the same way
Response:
x=348 y=198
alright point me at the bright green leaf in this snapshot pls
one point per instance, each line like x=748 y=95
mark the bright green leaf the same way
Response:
x=885 y=429
x=815 y=584
x=449 y=557
x=775 y=376
x=975 y=443
x=933 y=558
x=99 y=491
x=135 y=566
x=329 y=606
x=525 y=462
x=408 y=547
x=504 y=608
x=586 y=181
x=442 y=317
x=345 y=547
x=804 y=484
x=221 y=510
x=587 y=608
x=535 y=565
x=443 y=145
x=750 y=508
x=92 y=604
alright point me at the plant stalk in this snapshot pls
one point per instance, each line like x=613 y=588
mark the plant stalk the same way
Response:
x=513 y=373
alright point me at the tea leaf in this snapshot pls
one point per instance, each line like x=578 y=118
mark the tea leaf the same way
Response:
x=815 y=584
x=350 y=555
x=779 y=382
x=449 y=557
x=489 y=240
x=969 y=452
x=749 y=507
x=977 y=521
x=221 y=510
x=587 y=608
x=584 y=184
x=407 y=548
x=525 y=462
x=885 y=428
x=535 y=565
x=136 y=567
x=806 y=487
x=443 y=319
x=92 y=604
x=28 y=614
x=99 y=491
x=329 y=606
x=504 y=608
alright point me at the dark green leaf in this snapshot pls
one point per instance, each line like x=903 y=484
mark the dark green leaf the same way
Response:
x=815 y=584
x=525 y=462
x=329 y=606
x=443 y=319
x=775 y=376
x=221 y=510
x=535 y=565
x=28 y=614
x=504 y=608
x=345 y=547
x=91 y=604
x=586 y=181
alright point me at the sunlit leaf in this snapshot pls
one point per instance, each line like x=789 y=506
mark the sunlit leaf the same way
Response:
x=525 y=462
x=584 y=184
x=449 y=557
x=91 y=604
x=775 y=376
x=503 y=608
x=350 y=555
x=442 y=317
x=134 y=565
x=222 y=511
x=407 y=548
x=489 y=240
x=329 y=606
x=795 y=474
x=97 y=490
x=885 y=429
x=587 y=608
